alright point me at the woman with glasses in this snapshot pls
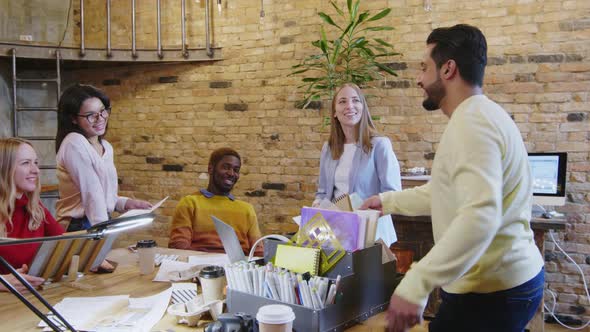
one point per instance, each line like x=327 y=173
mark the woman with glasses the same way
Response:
x=356 y=159
x=22 y=215
x=85 y=166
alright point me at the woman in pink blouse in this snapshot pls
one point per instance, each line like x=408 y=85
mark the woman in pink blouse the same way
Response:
x=86 y=171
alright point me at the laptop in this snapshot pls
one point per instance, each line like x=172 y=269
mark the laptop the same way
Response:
x=230 y=241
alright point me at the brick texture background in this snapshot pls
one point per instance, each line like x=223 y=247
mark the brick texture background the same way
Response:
x=168 y=118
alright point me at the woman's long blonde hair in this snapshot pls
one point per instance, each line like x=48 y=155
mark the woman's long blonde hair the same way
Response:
x=8 y=148
x=365 y=129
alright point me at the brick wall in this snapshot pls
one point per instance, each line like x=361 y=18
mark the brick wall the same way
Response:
x=168 y=118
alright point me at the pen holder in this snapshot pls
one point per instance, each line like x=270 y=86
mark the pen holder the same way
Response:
x=365 y=288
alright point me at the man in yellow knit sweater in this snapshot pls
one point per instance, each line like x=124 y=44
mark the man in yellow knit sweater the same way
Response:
x=192 y=227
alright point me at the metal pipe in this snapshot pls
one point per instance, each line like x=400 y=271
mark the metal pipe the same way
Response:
x=58 y=70
x=14 y=104
x=109 y=50
x=133 y=46
x=159 y=23
x=207 y=32
x=82 y=37
x=183 y=28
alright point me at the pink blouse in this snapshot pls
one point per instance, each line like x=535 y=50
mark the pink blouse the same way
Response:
x=88 y=182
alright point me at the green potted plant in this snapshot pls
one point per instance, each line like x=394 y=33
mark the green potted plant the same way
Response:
x=351 y=57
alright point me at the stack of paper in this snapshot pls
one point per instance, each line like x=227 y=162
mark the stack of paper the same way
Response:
x=113 y=313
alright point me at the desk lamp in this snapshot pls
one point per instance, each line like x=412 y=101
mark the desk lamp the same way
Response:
x=96 y=232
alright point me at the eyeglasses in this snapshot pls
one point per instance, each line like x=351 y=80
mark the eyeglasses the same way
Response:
x=93 y=118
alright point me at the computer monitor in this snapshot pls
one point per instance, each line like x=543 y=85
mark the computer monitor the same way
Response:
x=548 y=170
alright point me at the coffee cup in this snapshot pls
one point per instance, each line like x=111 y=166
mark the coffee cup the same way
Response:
x=275 y=318
x=147 y=256
x=213 y=281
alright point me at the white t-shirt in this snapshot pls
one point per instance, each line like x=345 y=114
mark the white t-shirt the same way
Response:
x=342 y=176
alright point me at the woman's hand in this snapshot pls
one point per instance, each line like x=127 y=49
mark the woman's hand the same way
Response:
x=34 y=281
x=133 y=204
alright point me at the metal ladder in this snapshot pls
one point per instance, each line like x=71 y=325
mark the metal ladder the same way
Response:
x=17 y=109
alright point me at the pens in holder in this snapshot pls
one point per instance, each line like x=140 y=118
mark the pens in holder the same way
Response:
x=282 y=285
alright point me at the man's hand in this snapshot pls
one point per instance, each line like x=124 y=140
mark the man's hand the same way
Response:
x=132 y=204
x=373 y=202
x=402 y=315
x=34 y=281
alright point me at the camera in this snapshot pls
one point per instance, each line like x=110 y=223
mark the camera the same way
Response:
x=238 y=322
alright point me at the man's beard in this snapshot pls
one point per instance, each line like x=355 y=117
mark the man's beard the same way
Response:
x=435 y=93
x=220 y=184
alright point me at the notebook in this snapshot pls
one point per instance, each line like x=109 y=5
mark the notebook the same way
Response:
x=298 y=259
x=230 y=241
x=343 y=203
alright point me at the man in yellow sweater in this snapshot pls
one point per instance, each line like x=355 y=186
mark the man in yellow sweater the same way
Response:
x=192 y=227
x=479 y=197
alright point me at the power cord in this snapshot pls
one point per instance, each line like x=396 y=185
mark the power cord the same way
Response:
x=552 y=310
x=270 y=236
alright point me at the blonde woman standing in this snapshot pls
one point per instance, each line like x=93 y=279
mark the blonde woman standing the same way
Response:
x=22 y=215
x=356 y=159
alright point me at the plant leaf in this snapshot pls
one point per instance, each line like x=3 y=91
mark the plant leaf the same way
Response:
x=385 y=68
x=349 y=5
x=350 y=25
x=387 y=54
x=326 y=18
x=337 y=46
x=338 y=10
x=311 y=79
x=298 y=72
x=383 y=42
x=380 y=15
x=355 y=10
x=357 y=42
x=378 y=29
x=380 y=49
x=323 y=43
x=362 y=18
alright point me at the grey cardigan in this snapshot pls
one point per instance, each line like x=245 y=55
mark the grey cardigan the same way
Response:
x=372 y=173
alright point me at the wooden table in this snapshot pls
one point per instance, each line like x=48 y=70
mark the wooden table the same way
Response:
x=15 y=316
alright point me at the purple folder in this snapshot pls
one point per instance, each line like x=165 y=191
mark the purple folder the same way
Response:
x=345 y=225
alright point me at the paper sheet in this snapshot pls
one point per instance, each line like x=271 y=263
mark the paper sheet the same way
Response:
x=137 y=212
x=81 y=312
x=114 y=313
x=209 y=259
x=175 y=270
x=183 y=292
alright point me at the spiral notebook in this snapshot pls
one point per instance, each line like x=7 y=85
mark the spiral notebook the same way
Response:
x=298 y=259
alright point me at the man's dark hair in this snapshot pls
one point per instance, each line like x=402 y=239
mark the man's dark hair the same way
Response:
x=218 y=154
x=466 y=45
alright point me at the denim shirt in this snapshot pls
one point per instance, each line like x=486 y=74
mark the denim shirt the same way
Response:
x=371 y=173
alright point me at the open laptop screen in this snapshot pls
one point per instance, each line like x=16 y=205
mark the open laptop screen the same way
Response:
x=230 y=241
